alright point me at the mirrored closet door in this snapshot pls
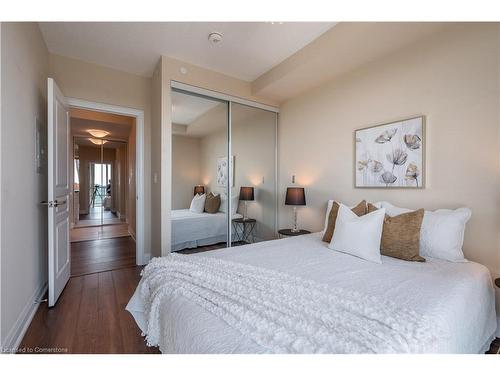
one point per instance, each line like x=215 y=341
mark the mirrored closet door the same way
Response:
x=199 y=216
x=224 y=177
x=253 y=150
x=99 y=176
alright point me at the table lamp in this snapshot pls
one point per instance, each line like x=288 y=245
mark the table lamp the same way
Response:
x=295 y=196
x=199 y=189
x=246 y=194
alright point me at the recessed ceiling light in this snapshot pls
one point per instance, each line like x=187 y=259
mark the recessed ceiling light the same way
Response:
x=215 y=37
x=97 y=141
x=98 y=133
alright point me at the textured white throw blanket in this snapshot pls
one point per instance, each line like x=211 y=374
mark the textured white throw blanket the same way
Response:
x=282 y=313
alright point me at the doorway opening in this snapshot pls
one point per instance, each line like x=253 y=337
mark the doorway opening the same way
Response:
x=103 y=198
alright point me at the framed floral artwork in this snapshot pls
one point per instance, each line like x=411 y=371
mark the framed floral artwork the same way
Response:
x=223 y=171
x=391 y=155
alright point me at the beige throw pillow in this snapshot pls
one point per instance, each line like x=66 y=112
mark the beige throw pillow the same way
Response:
x=359 y=209
x=401 y=235
x=212 y=203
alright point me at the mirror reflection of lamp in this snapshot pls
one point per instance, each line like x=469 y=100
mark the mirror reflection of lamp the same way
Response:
x=246 y=194
x=98 y=141
x=199 y=189
x=295 y=196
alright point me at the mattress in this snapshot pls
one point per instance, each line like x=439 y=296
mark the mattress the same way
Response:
x=190 y=230
x=459 y=297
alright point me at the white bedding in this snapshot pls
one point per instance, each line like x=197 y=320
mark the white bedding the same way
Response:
x=459 y=297
x=191 y=229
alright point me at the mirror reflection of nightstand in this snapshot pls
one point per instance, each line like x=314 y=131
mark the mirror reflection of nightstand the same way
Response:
x=244 y=229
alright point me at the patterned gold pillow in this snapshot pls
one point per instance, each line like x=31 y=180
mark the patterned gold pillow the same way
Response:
x=359 y=210
x=401 y=235
x=212 y=203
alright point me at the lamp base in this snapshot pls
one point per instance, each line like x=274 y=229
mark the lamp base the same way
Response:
x=295 y=229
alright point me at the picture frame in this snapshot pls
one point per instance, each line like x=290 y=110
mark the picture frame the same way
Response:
x=222 y=171
x=391 y=155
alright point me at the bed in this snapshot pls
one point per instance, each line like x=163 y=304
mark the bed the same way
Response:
x=458 y=297
x=190 y=230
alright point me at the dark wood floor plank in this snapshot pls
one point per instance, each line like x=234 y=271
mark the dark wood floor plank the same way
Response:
x=109 y=335
x=85 y=339
x=102 y=255
x=125 y=282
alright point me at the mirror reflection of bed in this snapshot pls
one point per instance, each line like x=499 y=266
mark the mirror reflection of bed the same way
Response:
x=201 y=170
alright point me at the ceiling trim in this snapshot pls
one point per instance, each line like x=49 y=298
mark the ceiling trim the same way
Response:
x=221 y=96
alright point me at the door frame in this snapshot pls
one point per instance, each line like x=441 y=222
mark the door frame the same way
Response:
x=141 y=255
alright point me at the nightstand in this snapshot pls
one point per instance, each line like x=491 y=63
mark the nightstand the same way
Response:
x=289 y=233
x=244 y=229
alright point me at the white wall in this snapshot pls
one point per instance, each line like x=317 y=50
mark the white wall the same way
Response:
x=24 y=70
x=453 y=79
x=186 y=159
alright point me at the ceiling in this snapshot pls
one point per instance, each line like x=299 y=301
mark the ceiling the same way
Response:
x=196 y=117
x=108 y=144
x=248 y=49
x=187 y=108
x=80 y=127
x=342 y=49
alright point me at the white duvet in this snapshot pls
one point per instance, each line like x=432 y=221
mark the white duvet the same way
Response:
x=457 y=298
x=190 y=229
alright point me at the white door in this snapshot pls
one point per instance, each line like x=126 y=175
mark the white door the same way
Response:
x=58 y=191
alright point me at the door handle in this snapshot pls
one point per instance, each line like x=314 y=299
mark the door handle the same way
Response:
x=52 y=203
x=56 y=203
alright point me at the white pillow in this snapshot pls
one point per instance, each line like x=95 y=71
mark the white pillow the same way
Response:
x=235 y=200
x=329 y=208
x=442 y=231
x=198 y=203
x=358 y=235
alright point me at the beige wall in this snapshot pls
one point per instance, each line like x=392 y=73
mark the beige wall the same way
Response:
x=162 y=153
x=23 y=220
x=82 y=80
x=453 y=79
x=186 y=172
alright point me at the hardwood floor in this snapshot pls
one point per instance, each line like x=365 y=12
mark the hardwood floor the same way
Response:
x=90 y=317
x=495 y=347
x=99 y=232
x=102 y=255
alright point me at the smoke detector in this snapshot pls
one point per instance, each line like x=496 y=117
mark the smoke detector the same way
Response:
x=215 y=37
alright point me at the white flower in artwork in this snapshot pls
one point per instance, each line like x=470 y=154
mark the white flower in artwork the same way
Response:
x=386 y=136
x=412 y=141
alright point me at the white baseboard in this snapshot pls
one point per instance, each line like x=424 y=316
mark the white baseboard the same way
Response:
x=17 y=332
